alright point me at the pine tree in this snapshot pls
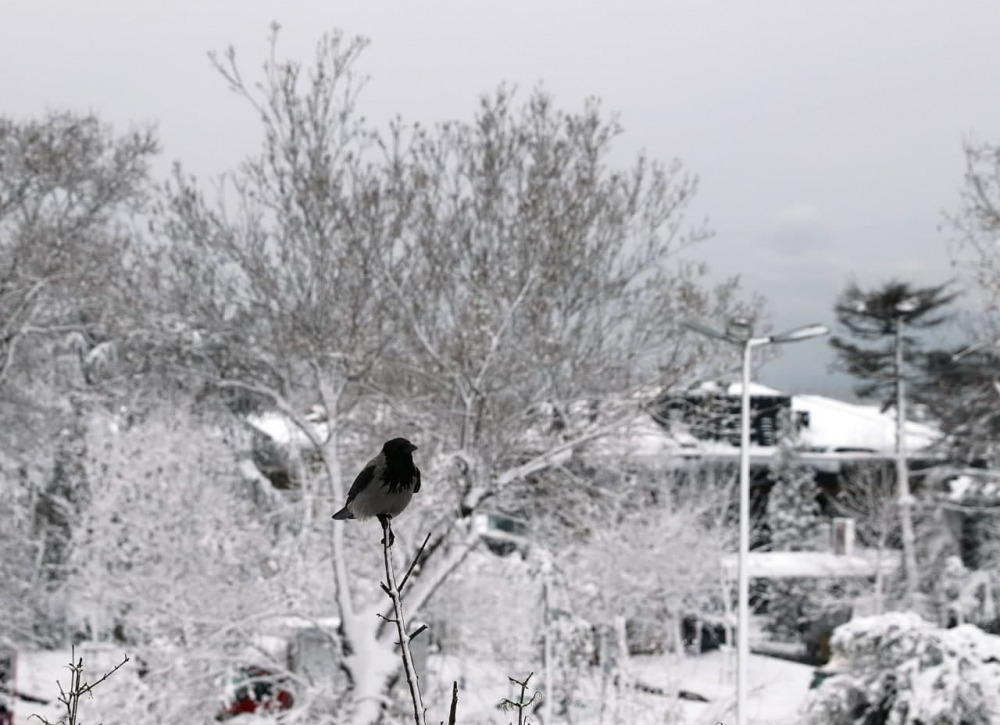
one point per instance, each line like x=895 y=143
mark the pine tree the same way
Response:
x=879 y=319
x=873 y=319
x=794 y=518
x=793 y=511
x=959 y=389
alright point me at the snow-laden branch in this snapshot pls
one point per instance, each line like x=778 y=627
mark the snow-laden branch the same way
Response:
x=544 y=460
x=497 y=336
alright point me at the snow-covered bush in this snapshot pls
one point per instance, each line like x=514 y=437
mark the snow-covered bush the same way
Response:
x=899 y=669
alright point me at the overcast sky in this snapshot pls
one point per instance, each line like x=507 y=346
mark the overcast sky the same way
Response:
x=826 y=133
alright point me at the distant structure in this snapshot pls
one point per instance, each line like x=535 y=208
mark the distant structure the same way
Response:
x=704 y=422
x=712 y=413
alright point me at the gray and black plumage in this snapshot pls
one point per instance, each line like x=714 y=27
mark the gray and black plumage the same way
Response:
x=385 y=485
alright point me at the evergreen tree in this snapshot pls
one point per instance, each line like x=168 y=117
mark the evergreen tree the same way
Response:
x=883 y=353
x=793 y=511
x=873 y=319
x=960 y=390
x=794 y=519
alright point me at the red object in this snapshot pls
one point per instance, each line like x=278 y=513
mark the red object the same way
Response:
x=256 y=689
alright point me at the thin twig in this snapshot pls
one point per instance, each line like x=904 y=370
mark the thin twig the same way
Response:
x=77 y=688
x=414 y=562
x=419 y=714
x=454 y=703
x=521 y=705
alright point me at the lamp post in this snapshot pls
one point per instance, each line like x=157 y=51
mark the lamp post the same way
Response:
x=739 y=331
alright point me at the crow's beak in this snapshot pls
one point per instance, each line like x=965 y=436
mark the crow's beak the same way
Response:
x=412 y=448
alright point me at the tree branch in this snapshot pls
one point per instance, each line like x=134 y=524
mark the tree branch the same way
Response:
x=419 y=712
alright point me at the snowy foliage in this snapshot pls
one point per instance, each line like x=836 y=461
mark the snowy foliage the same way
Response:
x=549 y=278
x=899 y=669
x=655 y=555
x=793 y=517
x=793 y=512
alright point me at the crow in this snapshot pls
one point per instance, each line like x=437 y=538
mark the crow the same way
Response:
x=384 y=487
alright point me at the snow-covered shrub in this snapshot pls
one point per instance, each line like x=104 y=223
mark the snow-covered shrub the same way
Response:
x=794 y=520
x=899 y=669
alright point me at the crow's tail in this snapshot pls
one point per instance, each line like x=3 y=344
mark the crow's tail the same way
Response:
x=344 y=513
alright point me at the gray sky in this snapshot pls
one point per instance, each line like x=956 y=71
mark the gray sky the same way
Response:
x=827 y=134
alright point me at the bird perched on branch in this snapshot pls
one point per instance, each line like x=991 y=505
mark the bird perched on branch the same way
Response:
x=384 y=486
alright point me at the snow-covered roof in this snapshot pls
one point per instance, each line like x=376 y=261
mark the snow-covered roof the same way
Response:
x=814 y=564
x=283 y=431
x=641 y=438
x=755 y=389
x=833 y=425
x=836 y=424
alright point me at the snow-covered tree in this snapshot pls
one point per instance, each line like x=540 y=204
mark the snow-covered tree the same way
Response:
x=867 y=495
x=976 y=221
x=452 y=280
x=962 y=389
x=68 y=183
x=794 y=523
x=173 y=562
x=269 y=290
x=960 y=392
x=793 y=512
x=654 y=559
x=902 y=670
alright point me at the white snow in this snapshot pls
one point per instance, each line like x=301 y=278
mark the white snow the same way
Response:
x=36 y=674
x=939 y=675
x=641 y=439
x=282 y=430
x=980 y=484
x=755 y=389
x=786 y=564
x=836 y=424
x=777 y=689
x=833 y=424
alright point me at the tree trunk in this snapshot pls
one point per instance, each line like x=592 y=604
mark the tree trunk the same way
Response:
x=902 y=474
x=624 y=694
x=371 y=663
x=879 y=578
x=602 y=656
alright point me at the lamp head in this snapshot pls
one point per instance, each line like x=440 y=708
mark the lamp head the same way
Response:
x=739 y=328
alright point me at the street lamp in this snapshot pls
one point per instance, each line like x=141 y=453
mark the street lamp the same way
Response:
x=739 y=331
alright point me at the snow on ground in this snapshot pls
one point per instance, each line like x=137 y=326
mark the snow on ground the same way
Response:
x=36 y=674
x=777 y=689
x=785 y=564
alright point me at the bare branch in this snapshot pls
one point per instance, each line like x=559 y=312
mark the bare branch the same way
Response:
x=419 y=713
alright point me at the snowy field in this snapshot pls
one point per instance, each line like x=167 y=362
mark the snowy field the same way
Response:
x=778 y=689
